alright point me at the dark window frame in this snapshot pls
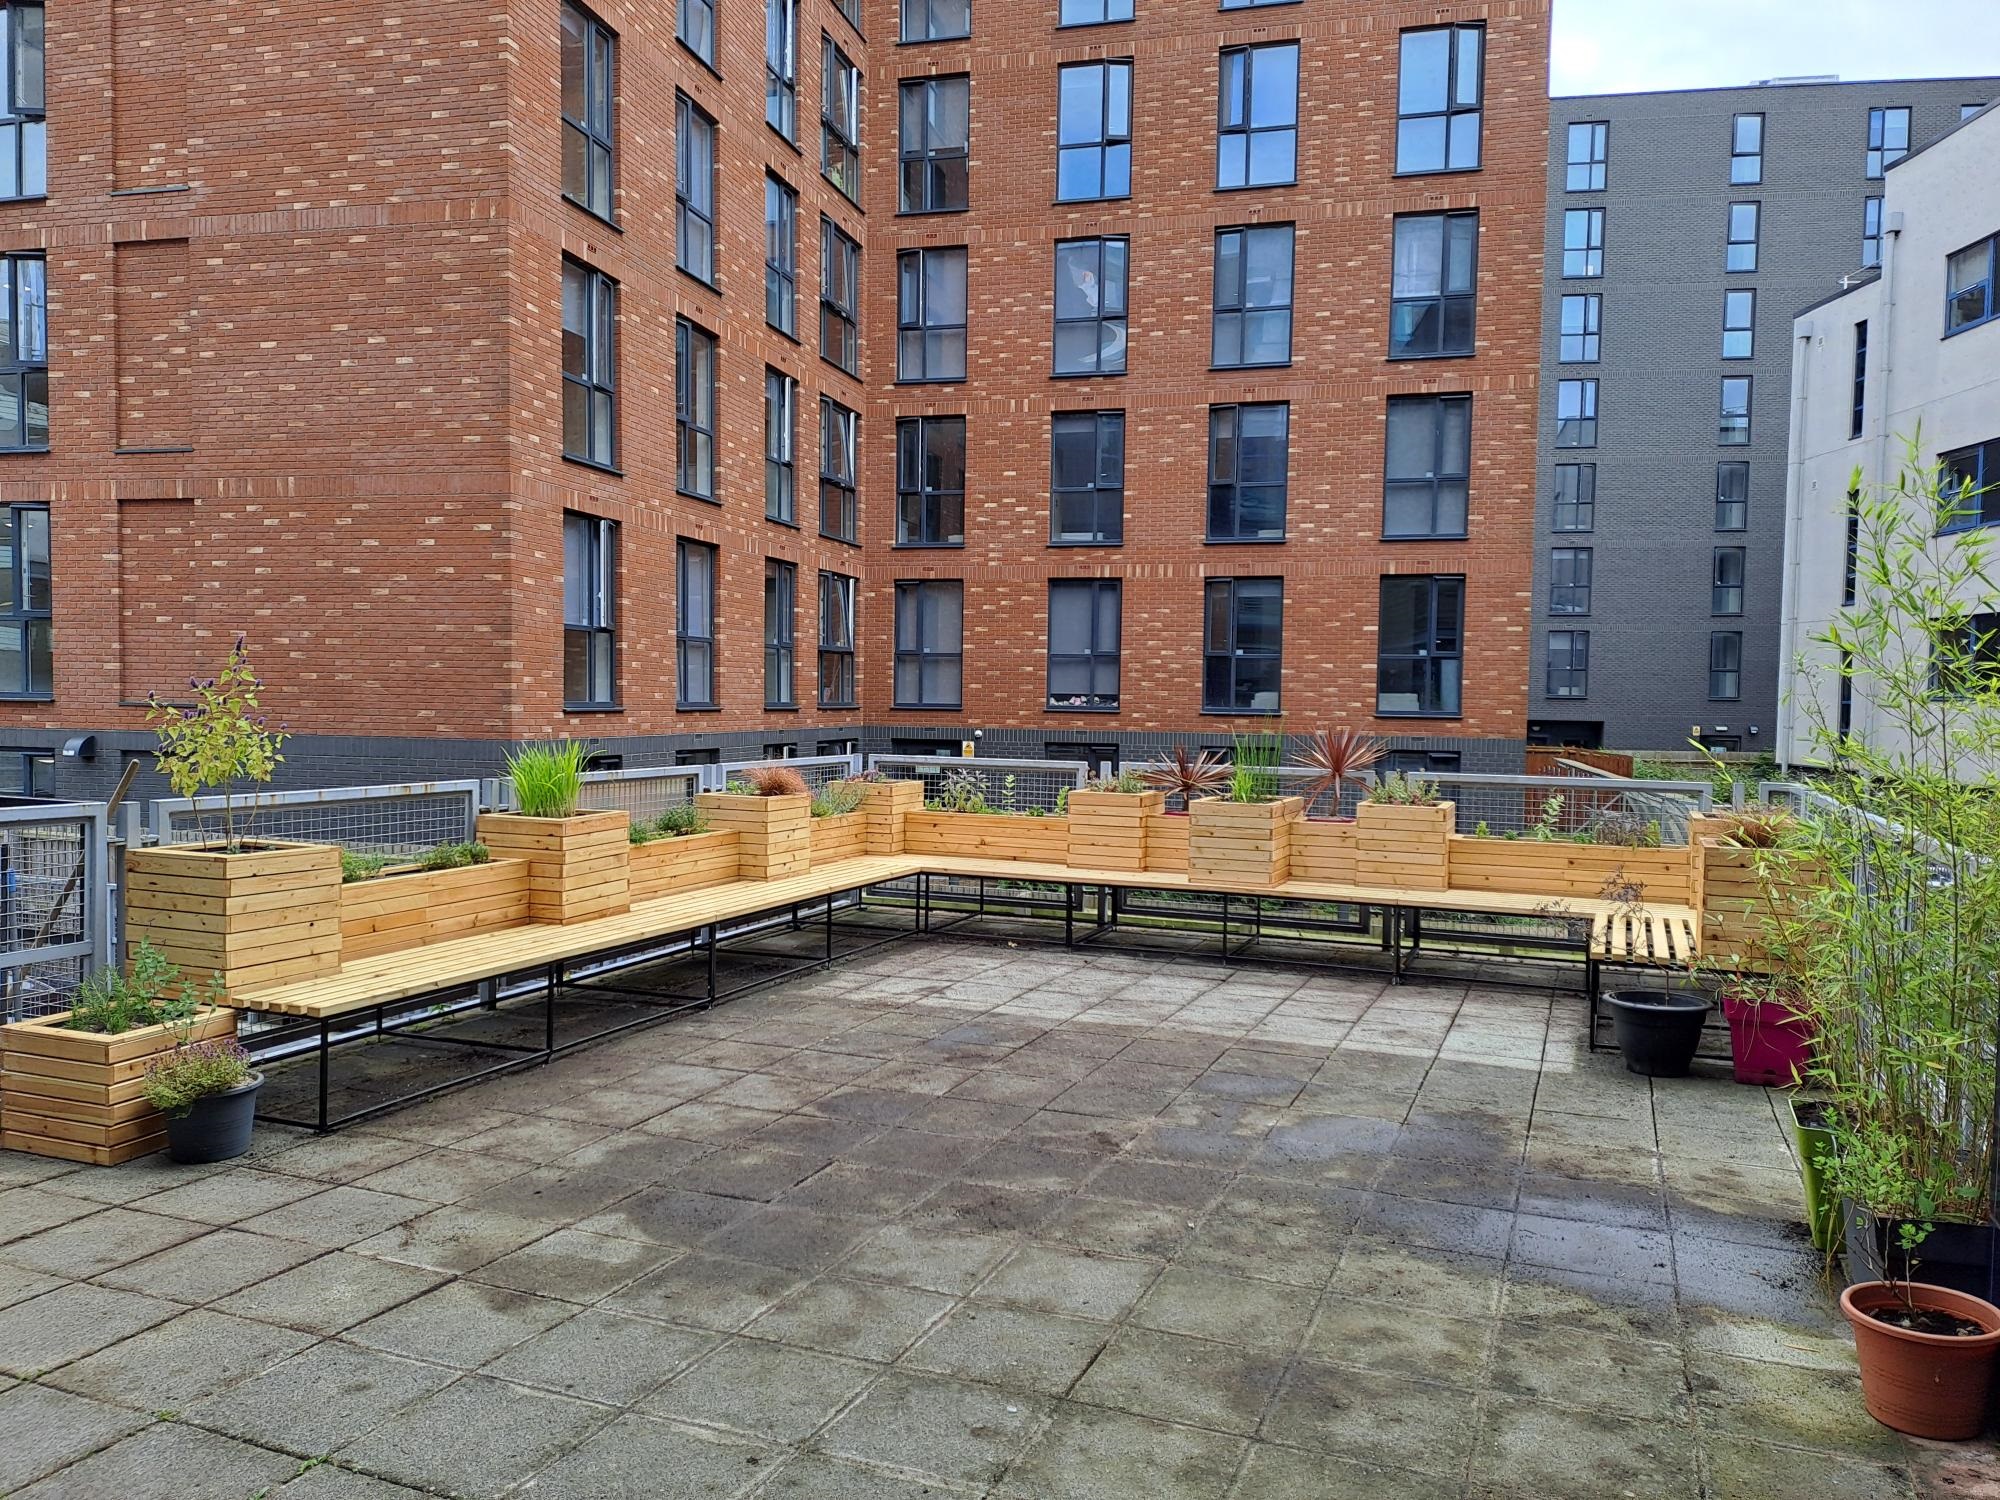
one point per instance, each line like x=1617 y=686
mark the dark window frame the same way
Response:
x=839 y=459
x=1454 y=108
x=1236 y=111
x=839 y=298
x=1732 y=501
x=1575 y=501
x=1728 y=579
x=1725 y=433
x=694 y=191
x=596 y=602
x=911 y=593
x=1452 y=314
x=1438 y=480
x=925 y=510
x=1976 y=465
x=1596 y=160
x=1744 y=328
x=1096 y=494
x=1746 y=168
x=1851 y=559
x=1110 y=140
x=1571 y=570
x=1229 y=489
x=1095 y=652
x=24 y=143
x=1224 y=659
x=839 y=120
x=1585 y=346
x=598 y=379
x=781 y=256
x=694 y=28
x=30 y=623
x=838 y=595
x=1566 y=674
x=1103 y=18
x=695 y=410
x=1880 y=154
x=1099 y=319
x=1871 y=231
x=1734 y=264
x=694 y=636
x=1437 y=648
x=914 y=324
x=1232 y=307
x=781 y=447
x=781 y=68
x=1725 y=666
x=1857 y=417
x=590 y=137
x=1584 y=422
x=929 y=32
x=935 y=195
x=781 y=624
x=1955 y=305
x=1584 y=260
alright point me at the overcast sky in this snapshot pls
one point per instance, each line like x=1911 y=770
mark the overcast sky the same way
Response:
x=1627 y=46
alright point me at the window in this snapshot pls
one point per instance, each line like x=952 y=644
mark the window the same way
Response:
x=930 y=481
x=694 y=410
x=1589 y=151
x=1739 y=324
x=1576 y=498
x=1569 y=580
x=936 y=20
x=1582 y=317
x=1258 y=129
x=1576 y=414
x=930 y=644
x=1857 y=417
x=1967 y=111
x=1734 y=427
x=1087 y=477
x=1083 y=643
x=1242 y=648
x=1725 y=665
x=589 y=345
x=1851 y=564
x=590 y=581
x=1094 y=131
x=1965 y=655
x=1253 y=297
x=1094 y=12
x=781 y=585
x=851 y=10
x=781 y=67
x=1746 y=149
x=1428 y=466
x=840 y=120
x=1888 y=138
x=1248 y=453
x=836 y=641
x=781 y=424
x=1971 y=477
x=694 y=190
x=1846 y=725
x=694 y=625
x=934 y=145
x=781 y=257
x=1732 y=496
x=1969 y=280
x=839 y=298
x=1871 y=232
x=1420 y=647
x=24 y=142
x=839 y=436
x=930 y=314
x=1432 y=284
x=1725 y=584
x=1569 y=664
x=587 y=144
x=1090 y=306
x=26 y=647
x=27 y=773
x=1583 y=242
x=1743 y=227
x=694 y=24
x=1438 y=88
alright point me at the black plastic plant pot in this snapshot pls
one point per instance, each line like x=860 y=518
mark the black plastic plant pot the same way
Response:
x=1657 y=1030
x=217 y=1127
x=1963 y=1257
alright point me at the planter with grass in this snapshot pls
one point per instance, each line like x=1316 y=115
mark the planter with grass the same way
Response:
x=1402 y=836
x=1108 y=821
x=578 y=862
x=72 y=1086
x=839 y=828
x=207 y=1092
x=770 y=812
x=884 y=805
x=678 y=851
x=451 y=891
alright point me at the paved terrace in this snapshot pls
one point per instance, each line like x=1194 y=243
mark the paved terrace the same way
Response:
x=967 y=1219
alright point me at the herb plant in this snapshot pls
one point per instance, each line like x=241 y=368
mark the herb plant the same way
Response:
x=111 y=1001
x=194 y=1071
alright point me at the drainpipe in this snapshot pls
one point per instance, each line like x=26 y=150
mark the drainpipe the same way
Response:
x=1795 y=511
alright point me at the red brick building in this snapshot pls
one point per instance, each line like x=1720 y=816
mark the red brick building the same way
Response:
x=490 y=367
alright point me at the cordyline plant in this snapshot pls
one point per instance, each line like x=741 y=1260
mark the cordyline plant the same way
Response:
x=1890 y=933
x=219 y=739
x=1187 y=774
x=1337 y=756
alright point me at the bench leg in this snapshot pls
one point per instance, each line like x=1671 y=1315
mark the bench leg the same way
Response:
x=1069 y=916
x=1393 y=916
x=549 y=1009
x=713 y=934
x=325 y=1057
x=829 y=930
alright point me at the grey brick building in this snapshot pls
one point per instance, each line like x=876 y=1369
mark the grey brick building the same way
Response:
x=1685 y=230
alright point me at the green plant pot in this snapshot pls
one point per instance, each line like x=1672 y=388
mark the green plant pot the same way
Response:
x=1814 y=1141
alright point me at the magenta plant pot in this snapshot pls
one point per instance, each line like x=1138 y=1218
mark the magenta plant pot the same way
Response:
x=1769 y=1043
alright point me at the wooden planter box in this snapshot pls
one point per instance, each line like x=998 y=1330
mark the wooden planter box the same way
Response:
x=1042 y=841
x=1531 y=867
x=1324 y=849
x=884 y=805
x=1241 y=843
x=1737 y=906
x=1403 y=847
x=577 y=866
x=401 y=909
x=1107 y=830
x=691 y=862
x=773 y=834
x=843 y=836
x=76 y=1094
x=1167 y=841
x=266 y=916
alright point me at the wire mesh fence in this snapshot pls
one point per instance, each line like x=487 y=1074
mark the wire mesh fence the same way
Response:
x=55 y=909
x=818 y=770
x=978 y=784
x=396 y=819
x=1609 y=809
x=644 y=793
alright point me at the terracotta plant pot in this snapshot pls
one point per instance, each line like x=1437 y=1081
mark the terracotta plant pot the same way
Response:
x=1926 y=1384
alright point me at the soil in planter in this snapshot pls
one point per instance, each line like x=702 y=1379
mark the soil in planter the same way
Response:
x=1928 y=1320
x=1813 y=1114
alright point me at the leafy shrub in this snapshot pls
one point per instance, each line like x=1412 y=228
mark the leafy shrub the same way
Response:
x=111 y=1001
x=836 y=798
x=679 y=822
x=194 y=1071
x=454 y=856
x=355 y=866
x=776 y=781
x=1623 y=830
x=961 y=792
x=1125 y=781
x=1400 y=790
x=548 y=779
x=219 y=739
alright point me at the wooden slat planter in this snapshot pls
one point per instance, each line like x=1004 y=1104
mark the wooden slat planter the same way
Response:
x=578 y=867
x=407 y=908
x=884 y=804
x=1167 y=842
x=1664 y=877
x=1107 y=830
x=1403 y=846
x=691 y=862
x=773 y=834
x=843 y=836
x=76 y=1095
x=264 y=916
x=1242 y=843
x=990 y=835
x=1737 y=904
x=1324 y=849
